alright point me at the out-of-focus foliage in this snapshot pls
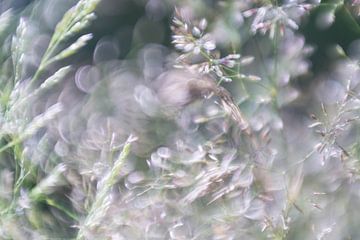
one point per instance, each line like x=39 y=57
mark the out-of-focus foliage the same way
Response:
x=182 y=119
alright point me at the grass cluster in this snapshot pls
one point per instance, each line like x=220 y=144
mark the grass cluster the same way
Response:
x=179 y=119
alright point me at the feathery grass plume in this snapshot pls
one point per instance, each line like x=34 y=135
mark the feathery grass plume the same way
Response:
x=193 y=42
x=19 y=41
x=73 y=48
x=275 y=18
x=25 y=131
x=332 y=127
x=74 y=22
x=103 y=197
x=188 y=38
x=23 y=94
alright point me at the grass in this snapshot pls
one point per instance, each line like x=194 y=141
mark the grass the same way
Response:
x=226 y=132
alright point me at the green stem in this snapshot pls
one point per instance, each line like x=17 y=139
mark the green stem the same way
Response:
x=54 y=204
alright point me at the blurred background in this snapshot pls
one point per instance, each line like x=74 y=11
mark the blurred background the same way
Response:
x=113 y=125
